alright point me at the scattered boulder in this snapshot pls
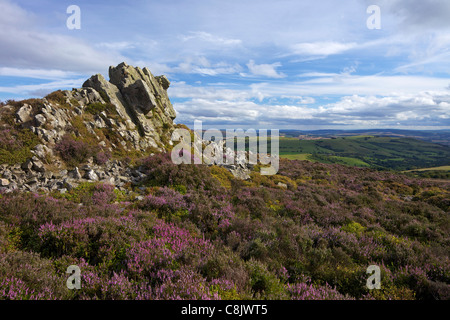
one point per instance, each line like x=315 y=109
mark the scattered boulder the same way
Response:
x=91 y=175
x=74 y=174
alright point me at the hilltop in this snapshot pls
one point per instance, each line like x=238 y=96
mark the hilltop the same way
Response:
x=86 y=134
x=87 y=179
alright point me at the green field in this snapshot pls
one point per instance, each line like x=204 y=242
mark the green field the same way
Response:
x=397 y=153
x=383 y=153
x=441 y=168
x=441 y=172
x=296 y=156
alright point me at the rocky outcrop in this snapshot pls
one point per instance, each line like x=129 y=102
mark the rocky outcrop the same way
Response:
x=141 y=99
x=141 y=116
x=131 y=113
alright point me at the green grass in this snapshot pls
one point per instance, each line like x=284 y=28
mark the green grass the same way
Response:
x=296 y=156
x=354 y=162
x=397 y=153
x=441 y=168
x=379 y=152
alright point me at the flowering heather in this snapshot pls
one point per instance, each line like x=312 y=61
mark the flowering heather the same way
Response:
x=188 y=237
x=305 y=291
x=73 y=151
x=15 y=289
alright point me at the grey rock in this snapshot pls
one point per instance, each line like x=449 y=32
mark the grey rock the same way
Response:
x=27 y=165
x=4 y=182
x=240 y=173
x=165 y=83
x=75 y=174
x=140 y=97
x=69 y=184
x=40 y=120
x=91 y=175
x=38 y=165
x=60 y=174
x=24 y=113
x=282 y=185
x=41 y=151
x=108 y=180
x=7 y=174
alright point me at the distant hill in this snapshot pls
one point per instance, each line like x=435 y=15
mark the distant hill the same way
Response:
x=436 y=136
x=397 y=153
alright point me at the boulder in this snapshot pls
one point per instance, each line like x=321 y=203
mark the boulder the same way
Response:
x=91 y=175
x=24 y=113
x=75 y=174
x=40 y=120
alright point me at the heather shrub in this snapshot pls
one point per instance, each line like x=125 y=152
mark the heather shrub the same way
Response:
x=26 y=276
x=92 y=193
x=185 y=284
x=162 y=172
x=308 y=291
x=73 y=151
x=263 y=283
x=194 y=236
x=226 y=265
x=16 y=144
x=7 y=241
x=102 y=157
x=169 y=247
x=169 y=204
x=100 y=241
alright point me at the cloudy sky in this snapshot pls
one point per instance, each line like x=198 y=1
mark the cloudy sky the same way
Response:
x=300 y=64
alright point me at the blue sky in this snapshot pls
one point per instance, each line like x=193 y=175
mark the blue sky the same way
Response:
x=277 y=64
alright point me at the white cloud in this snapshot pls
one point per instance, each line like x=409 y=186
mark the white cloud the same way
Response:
x=266 y=70
x=325 y=48
x=208 y=37
x=42 y=88
x=25 y=44
x=225 y=106
x=36 y=73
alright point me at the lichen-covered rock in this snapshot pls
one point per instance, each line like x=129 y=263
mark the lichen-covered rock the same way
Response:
x=24 y=113
x=141 y=100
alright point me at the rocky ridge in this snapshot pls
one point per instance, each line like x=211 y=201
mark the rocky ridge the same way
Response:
x=130 y=113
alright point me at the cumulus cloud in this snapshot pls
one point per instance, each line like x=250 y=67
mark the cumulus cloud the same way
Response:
x=401 y=75
x=25 y=44
x=265 y=70
x=225 y=107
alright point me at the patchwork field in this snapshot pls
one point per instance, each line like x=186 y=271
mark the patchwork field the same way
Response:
x=369 y=151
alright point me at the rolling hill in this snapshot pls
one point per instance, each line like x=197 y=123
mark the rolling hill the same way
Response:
x=396 y=153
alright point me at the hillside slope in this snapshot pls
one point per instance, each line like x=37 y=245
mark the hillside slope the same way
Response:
x=195 y=232
x=371 y=151
x=87 y=180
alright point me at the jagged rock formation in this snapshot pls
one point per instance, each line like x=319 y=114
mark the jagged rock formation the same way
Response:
x=142 y=114
x=139 y=98
x=129 y=114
